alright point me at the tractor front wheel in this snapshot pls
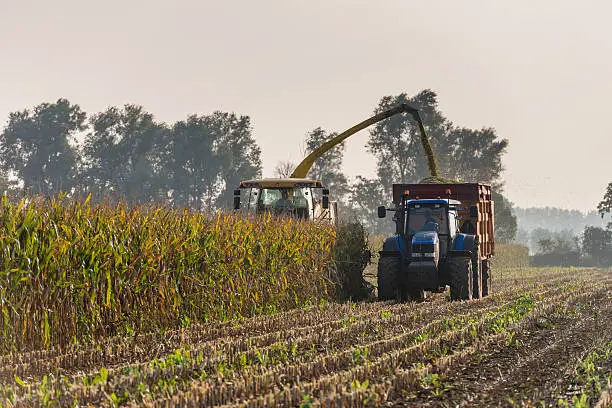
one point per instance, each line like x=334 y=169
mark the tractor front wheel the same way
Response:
x=388 y=283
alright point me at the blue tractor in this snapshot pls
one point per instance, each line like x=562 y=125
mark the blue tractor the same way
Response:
x=444 y=237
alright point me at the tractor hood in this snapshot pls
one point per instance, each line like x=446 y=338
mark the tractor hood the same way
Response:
x=425 y=237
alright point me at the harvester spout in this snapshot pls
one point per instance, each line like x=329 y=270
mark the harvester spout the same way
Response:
x=304 y=167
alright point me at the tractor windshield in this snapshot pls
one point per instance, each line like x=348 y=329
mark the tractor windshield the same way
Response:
x=284 y=200
x=426 y=218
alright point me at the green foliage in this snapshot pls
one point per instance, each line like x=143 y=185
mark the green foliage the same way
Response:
x=505 y=220
x=366 y=195
x=328 y=167
x=127 y=154
x=239 y=153
x=121 y=152
x=590 y=376
x=360 y=355
x=307 y=402
x=352 y=255
x=38 y=146
x=605 y=205
x=434 y=384
x=597 y=244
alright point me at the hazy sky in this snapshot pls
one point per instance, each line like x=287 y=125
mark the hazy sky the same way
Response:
x=540 y=72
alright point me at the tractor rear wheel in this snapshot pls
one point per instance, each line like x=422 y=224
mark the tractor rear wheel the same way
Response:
x=388 y=283
x=486 y=278
x=461 y=278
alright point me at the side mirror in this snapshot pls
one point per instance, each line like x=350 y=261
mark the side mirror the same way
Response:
x=382 y=211
x=473 y=211
x=325 y=202
x=236 y=199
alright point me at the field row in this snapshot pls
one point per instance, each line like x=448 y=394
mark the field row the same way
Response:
x=337 y=355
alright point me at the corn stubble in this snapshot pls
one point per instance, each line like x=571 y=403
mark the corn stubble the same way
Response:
x=333 y=355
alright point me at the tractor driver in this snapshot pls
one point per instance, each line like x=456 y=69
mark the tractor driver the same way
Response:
x=283 y=204
x=431 y=224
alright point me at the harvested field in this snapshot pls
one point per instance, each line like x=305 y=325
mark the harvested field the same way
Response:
x=543 y=337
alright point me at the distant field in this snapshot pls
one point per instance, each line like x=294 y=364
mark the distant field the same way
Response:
x=544 y=337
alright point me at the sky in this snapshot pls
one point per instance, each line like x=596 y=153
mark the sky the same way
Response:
x=538 y=71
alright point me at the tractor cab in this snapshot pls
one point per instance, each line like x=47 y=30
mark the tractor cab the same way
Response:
x=293 y=197
x=427 y=217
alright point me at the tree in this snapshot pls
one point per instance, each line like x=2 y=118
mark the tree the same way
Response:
x=597 y=243
x=505 y=220
x=328 y=167
x=605 y=206
x=239 y=152
x=195 y=165
x=36 y=146
x=8 y=187
x=546 y=245
x=366 y=195
x=125 y=154
x=284 y=169
x=475 y=156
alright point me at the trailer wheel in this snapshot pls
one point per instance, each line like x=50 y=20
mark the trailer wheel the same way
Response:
x=461 y=278
x=388 y=284
x=486 y=278
x=477 y=278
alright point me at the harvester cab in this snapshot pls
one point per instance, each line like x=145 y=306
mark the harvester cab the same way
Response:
x=300 y=198
x=444 y=236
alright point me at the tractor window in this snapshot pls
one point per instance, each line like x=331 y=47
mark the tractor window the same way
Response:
x=269 y=196
x=427 y=218
x=453 y=223
x=286 y=200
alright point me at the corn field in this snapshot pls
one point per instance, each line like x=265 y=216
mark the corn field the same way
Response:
x=75 y=273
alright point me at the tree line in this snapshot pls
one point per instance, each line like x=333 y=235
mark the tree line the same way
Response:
x=124 y=152
x=591 y=247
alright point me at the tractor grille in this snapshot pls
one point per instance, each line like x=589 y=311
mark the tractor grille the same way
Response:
x=421 y=251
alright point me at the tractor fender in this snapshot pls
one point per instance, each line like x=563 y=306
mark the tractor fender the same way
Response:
x=464 y=242
x=394 y=247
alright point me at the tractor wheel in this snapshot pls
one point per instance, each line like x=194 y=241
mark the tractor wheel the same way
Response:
x=461 y=282
x=477 y=278
x=388 y=284
x=486 y=278
x=417 y=295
